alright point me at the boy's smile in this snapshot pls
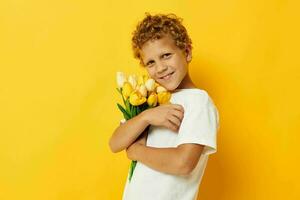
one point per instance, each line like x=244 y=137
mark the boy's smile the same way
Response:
x=166 y=63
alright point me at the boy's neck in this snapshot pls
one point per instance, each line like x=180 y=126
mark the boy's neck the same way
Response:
x=186 y=83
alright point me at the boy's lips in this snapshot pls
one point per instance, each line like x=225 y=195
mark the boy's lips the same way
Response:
x=168 y=76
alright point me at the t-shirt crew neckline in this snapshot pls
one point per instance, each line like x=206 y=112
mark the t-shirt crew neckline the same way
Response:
x=187 y=89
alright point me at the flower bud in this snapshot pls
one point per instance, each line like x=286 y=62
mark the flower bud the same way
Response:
x=136 y=98
x=163 y=97
x=143 y=90
x=132 y=79
x=160 y=89
x=145 y=77
x=140 y=80
x=127 y=90
x=121 y=79
x=150 y=84
x=137 y=87
x=152 y=99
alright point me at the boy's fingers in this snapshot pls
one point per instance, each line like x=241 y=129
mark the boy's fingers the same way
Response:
x=178 y=107
x=178 y=114
x=174 y=120
x=172 y=126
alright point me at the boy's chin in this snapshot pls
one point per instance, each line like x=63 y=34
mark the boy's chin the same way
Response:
x=169 y=87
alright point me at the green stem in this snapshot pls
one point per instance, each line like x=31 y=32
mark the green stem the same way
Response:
x=132 y=167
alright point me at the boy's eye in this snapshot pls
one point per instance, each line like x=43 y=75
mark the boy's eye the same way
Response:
x=149 y=63
x=166 y=55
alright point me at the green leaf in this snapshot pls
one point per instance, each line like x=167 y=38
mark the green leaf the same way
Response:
x=125 y=114
x=120 y=91
x=146 y=106
x=121 y=108
x=135 y=111
x=138 y=110
x=143 y=107
x=132 y=111
x=128 y=106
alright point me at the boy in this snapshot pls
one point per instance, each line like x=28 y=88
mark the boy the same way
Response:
x=173 y=154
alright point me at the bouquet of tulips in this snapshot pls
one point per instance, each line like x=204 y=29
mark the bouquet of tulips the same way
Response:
x=139 y=93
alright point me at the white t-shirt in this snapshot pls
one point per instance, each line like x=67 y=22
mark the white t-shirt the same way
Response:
x=199 y=125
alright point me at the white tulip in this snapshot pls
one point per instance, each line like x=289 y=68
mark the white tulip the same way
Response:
x=160 y=89
x=150 y=85
x=132 y=79
x=143 y=90
x=121 y=79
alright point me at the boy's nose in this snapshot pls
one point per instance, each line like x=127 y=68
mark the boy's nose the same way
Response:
x=161 y=68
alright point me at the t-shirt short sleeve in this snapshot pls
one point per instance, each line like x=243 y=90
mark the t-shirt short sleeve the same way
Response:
x=200 y=123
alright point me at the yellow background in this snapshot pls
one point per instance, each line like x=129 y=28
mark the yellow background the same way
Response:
x=58 y=99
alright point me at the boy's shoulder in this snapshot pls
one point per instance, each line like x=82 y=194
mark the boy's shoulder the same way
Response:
x=191 y=95
x=191 y=98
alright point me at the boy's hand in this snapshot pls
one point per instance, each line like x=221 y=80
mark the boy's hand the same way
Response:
x=167 y=115
x=142 y=139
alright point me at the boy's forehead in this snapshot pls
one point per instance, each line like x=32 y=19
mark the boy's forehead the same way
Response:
x=157 y=46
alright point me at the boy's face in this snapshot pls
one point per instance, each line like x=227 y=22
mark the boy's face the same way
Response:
x=165 y=62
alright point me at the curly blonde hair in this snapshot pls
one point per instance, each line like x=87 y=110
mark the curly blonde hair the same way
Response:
x=155 y=27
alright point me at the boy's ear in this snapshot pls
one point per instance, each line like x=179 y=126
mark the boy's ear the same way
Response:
x=188 y=53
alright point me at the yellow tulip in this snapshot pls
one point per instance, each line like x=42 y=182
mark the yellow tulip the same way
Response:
x=150 y=85
x=127 y=90
x=137 y=88
x=143 y=90
x=164 y=97
x=136 y=98
x=152 y=99
x=141 y=80
x=132 y=79
x=145 y=77
x=160 y=89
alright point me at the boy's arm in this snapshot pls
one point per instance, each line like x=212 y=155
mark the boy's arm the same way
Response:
x=180 y=160
x=127 y=133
